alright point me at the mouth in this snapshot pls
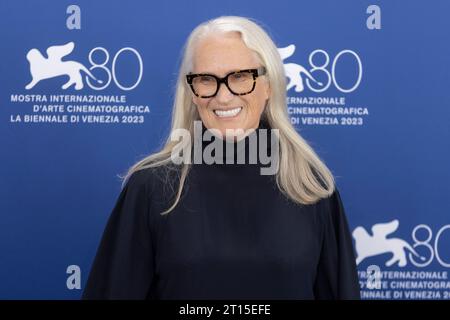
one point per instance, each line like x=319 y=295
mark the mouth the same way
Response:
x=229 y=113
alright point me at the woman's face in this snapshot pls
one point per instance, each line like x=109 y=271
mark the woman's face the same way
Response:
x=220 y=55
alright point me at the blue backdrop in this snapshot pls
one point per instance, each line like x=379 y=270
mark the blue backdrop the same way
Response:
x=369 y=91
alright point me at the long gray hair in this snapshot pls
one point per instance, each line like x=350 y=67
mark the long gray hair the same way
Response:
x=302 y=176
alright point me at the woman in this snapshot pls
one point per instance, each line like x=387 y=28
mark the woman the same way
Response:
x=224 y=230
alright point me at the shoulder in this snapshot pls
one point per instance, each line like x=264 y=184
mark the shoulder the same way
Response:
x=153 y=178
x=138 y=180
x=331 y=208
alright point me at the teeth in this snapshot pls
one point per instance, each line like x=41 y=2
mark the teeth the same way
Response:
x=228 y=113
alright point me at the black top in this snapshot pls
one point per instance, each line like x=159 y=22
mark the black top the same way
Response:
x=233 y=235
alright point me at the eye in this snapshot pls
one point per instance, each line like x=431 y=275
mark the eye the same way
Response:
x=240 y=76
x=206 y=79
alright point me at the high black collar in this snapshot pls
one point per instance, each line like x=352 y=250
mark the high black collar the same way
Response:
x=247 y=151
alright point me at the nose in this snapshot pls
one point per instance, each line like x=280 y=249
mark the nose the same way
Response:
x=224 y=94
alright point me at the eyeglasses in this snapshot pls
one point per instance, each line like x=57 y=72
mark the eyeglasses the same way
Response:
x=240 y=82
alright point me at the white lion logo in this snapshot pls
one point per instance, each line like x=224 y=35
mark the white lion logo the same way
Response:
x=367 y=245
x=45 y=68
x=294 y=71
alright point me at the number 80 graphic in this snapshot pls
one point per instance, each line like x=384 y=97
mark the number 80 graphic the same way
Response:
x=331 y=76
x=434 y=250
x=112 y=73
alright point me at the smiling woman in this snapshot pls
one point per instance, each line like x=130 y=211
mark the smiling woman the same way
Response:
x=224 y=230
x=240 y=103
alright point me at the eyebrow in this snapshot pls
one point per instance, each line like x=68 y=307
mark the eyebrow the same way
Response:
x=213 y=73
